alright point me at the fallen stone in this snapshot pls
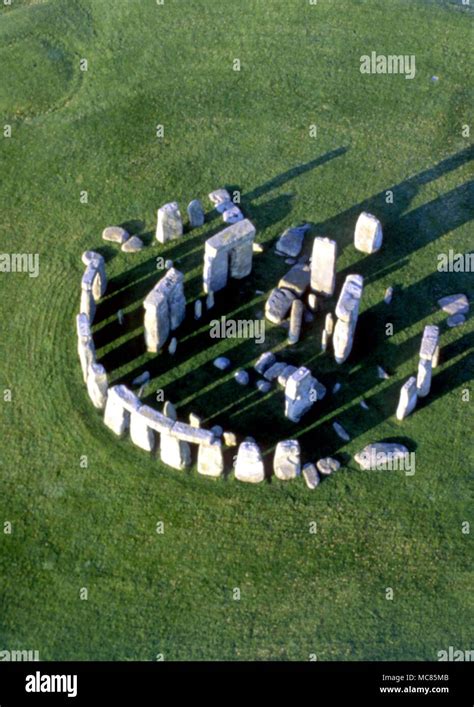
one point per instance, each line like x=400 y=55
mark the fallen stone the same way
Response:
x=327 y=465
x=274 y=371
x=221 y=363
x=220 y=197
x=278 y=304
x=368 y=233
x=336 y=388
x=241 y=377
x=308 y=317
x=299 y=395
x=287 y=461
x=388 y=295
x=195 y=213
x=115 y=234
x=257 y=248
x=169 y=224
x=296 y=280
x=323 y=266
x=319 y=389
x=455 y=320
x=340 y=431
x=290 y=242
x=232 y=215
x=132 y=245
x=408 y=398
x=379 y=454
x=454 y=304
x=264 y=361
x=249 y=463
x=142 y=378
x=310 y=476
x=197 y=309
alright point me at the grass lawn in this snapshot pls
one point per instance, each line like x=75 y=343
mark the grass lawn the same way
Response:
x=95 y=131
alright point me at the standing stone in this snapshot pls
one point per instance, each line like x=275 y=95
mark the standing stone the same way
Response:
x=241 y=377
x=97 y=385
x=285 y=374
x=197 y=309
x=388 y=295
x=195 y=213
x=165 y=309
x=278 y=305
x=228 y=249
x=96 y=260
x=296 y=318
x=85 y=344
x=429 y=342
x=249 y=464
x=287 y=461
x=230 y=439
x=169 y=410
x=174 y=452
x=120 y=316
x=347 y=312
x=329 y=324
x=170 y=223
x=210 y=300
x=323 y=266
x=368 y=233
x=194 y=420
x=173 y=346
x=221 y=199
x=408 y=398
x=121 y=402
x=263 y=386
x=324 y=341
x=87 y=304
x=313 y=302
x=210 y=460
x=340 y=431
x=140 y=433
x=264 y=361
x=423 y=379
x=298 y=394
x=310 y=476
x=327 y=465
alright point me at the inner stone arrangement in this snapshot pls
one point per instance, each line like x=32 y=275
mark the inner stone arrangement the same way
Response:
x=294 y=300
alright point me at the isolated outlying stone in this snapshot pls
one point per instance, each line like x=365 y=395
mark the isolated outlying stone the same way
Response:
x=287 y=461
x=408 y=398
x=249 y=463
x=278 y=305
x=291 y=241
x=323 y=266
x=368 y=233
x=379 y=454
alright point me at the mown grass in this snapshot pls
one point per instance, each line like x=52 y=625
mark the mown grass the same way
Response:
x=95 y=131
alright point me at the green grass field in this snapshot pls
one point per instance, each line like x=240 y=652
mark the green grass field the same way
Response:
x=94 y=131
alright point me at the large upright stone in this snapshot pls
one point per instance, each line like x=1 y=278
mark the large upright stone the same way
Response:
x=299 y=395
x=210 y=459
x=165 y=309
x=347 y=312
x=323 y=266
x=296 y=319
x=408 y=398
x=287 y=460
x=95 y=273
x=141 y=434
x=195 y=213
x=249 y=464
x=170 y=224
x=368 y=233
x=231 y=249
x=85 y=344
x=429 y=342
x=278 y=305
x=423 y=378
x=121 y=402
x=97 y=385
x=174 y=452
